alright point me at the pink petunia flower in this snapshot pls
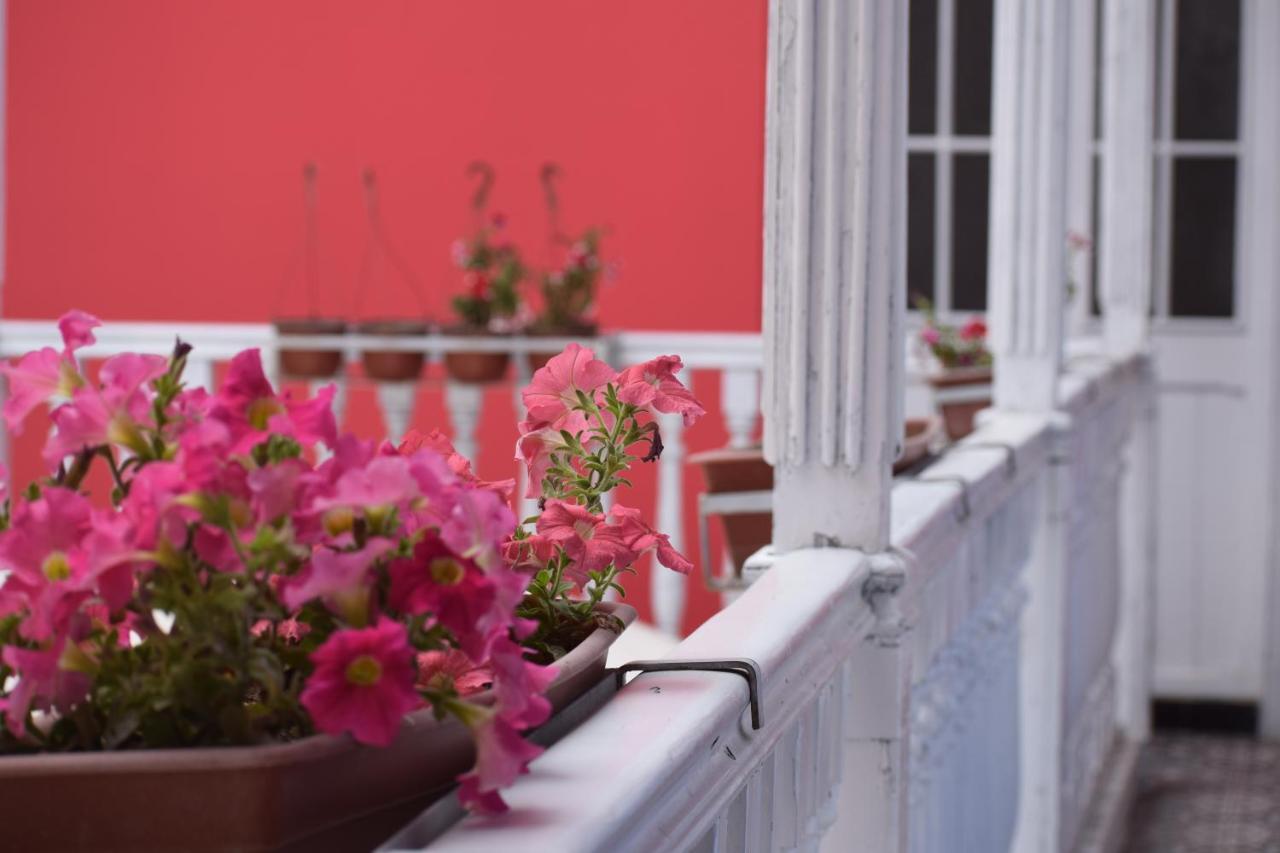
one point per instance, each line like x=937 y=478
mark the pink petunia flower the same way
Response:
x=77 y=328
x=111 y=414
x=477 y=527
x=363 y=683
x=46 y=374
x=341 y=579
x=553 y=393
x=642 y=538
x=461 y=466
x=501 y=756
x=930 y=335
x=44 y=682
x=451 y=669
x=251 y=409
x=654 y=384
x=587 y=540
x=60 y=554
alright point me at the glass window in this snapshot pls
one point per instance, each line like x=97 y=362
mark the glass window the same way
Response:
x=920 y=242
x=969 y=232
x=1207 y=59
x=922 y=106
x=1204 y=237
x=973 y=25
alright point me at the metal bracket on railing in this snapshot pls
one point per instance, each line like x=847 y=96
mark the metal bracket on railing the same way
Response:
x=956 y=480
x=1010 y=454
x=745 y=667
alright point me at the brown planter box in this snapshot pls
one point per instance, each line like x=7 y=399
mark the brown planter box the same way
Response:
x=965 y=392
x=310 y=363
x=475 y=367
x=318 y=794
x=393 y=365
x=745 y=470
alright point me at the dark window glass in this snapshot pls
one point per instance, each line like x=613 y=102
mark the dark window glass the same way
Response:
x=920 y=237
x=1097 y=69
x=923 y=67
x=970 y=186
x=1095 y=297
x=973 y=21
x=1208 y=69
x=1204 y=237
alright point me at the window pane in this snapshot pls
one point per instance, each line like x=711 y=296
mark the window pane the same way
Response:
x=1204 y=237
x=923 y=67
x=1208 y=69
x=970 y=186
x=973 y=21
x=920 y=238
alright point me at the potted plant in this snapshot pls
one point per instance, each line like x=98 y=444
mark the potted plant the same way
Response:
x=237 y=634
x=569 y=291
x=389 y=365
x=744 y=469
x=308 y=362
x=962 y=388
x=492 y=272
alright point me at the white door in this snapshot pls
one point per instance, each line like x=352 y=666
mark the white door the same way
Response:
x=1217 y=78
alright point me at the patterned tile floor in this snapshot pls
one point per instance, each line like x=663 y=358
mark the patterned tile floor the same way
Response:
x=1206 y=794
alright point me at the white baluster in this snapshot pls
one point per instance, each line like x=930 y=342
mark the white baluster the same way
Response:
x=668 y=587
x=740 y=403
x=396 y=400
x=527 y=506
x=198 y=373
x=338 y=406
x=464 y=401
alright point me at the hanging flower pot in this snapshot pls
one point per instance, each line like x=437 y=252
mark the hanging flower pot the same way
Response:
x=475 y=367
x=307 y=362
x=960 y=393
x=321 y=792
x=581 y=331
x=393 y=365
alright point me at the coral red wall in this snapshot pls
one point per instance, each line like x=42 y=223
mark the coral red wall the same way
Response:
x=155 y=151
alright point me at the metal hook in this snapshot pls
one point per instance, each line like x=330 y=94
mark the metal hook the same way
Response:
x=745 y=667
x=485 y=184
x=964 y=490
x=1010 y=453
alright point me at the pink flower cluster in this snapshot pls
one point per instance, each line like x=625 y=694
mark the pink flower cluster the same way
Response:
x=583 y=420
x=347 y=592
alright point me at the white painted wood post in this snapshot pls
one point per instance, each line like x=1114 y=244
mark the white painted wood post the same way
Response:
x=1125 y=210
x=1025 y=288
x=1027 y=303
x=834 y=263
x=834 y=269
x=1126 y=277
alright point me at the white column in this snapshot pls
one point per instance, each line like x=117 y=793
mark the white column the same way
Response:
x=834 y=270
x=1026 y=291
x=1027 y=304
x=834 y=266
x=1126 y=276
x=1128 y=98
x=667 y=587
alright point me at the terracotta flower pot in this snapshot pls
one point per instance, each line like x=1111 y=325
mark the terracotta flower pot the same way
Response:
x=961 y=393
x=745 y=470
x=538 y=360
x=475 y=367
x=393 y=365
x=310 y=363
x=319 y=793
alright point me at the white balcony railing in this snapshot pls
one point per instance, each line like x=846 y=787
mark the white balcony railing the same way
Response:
x=937 y=696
